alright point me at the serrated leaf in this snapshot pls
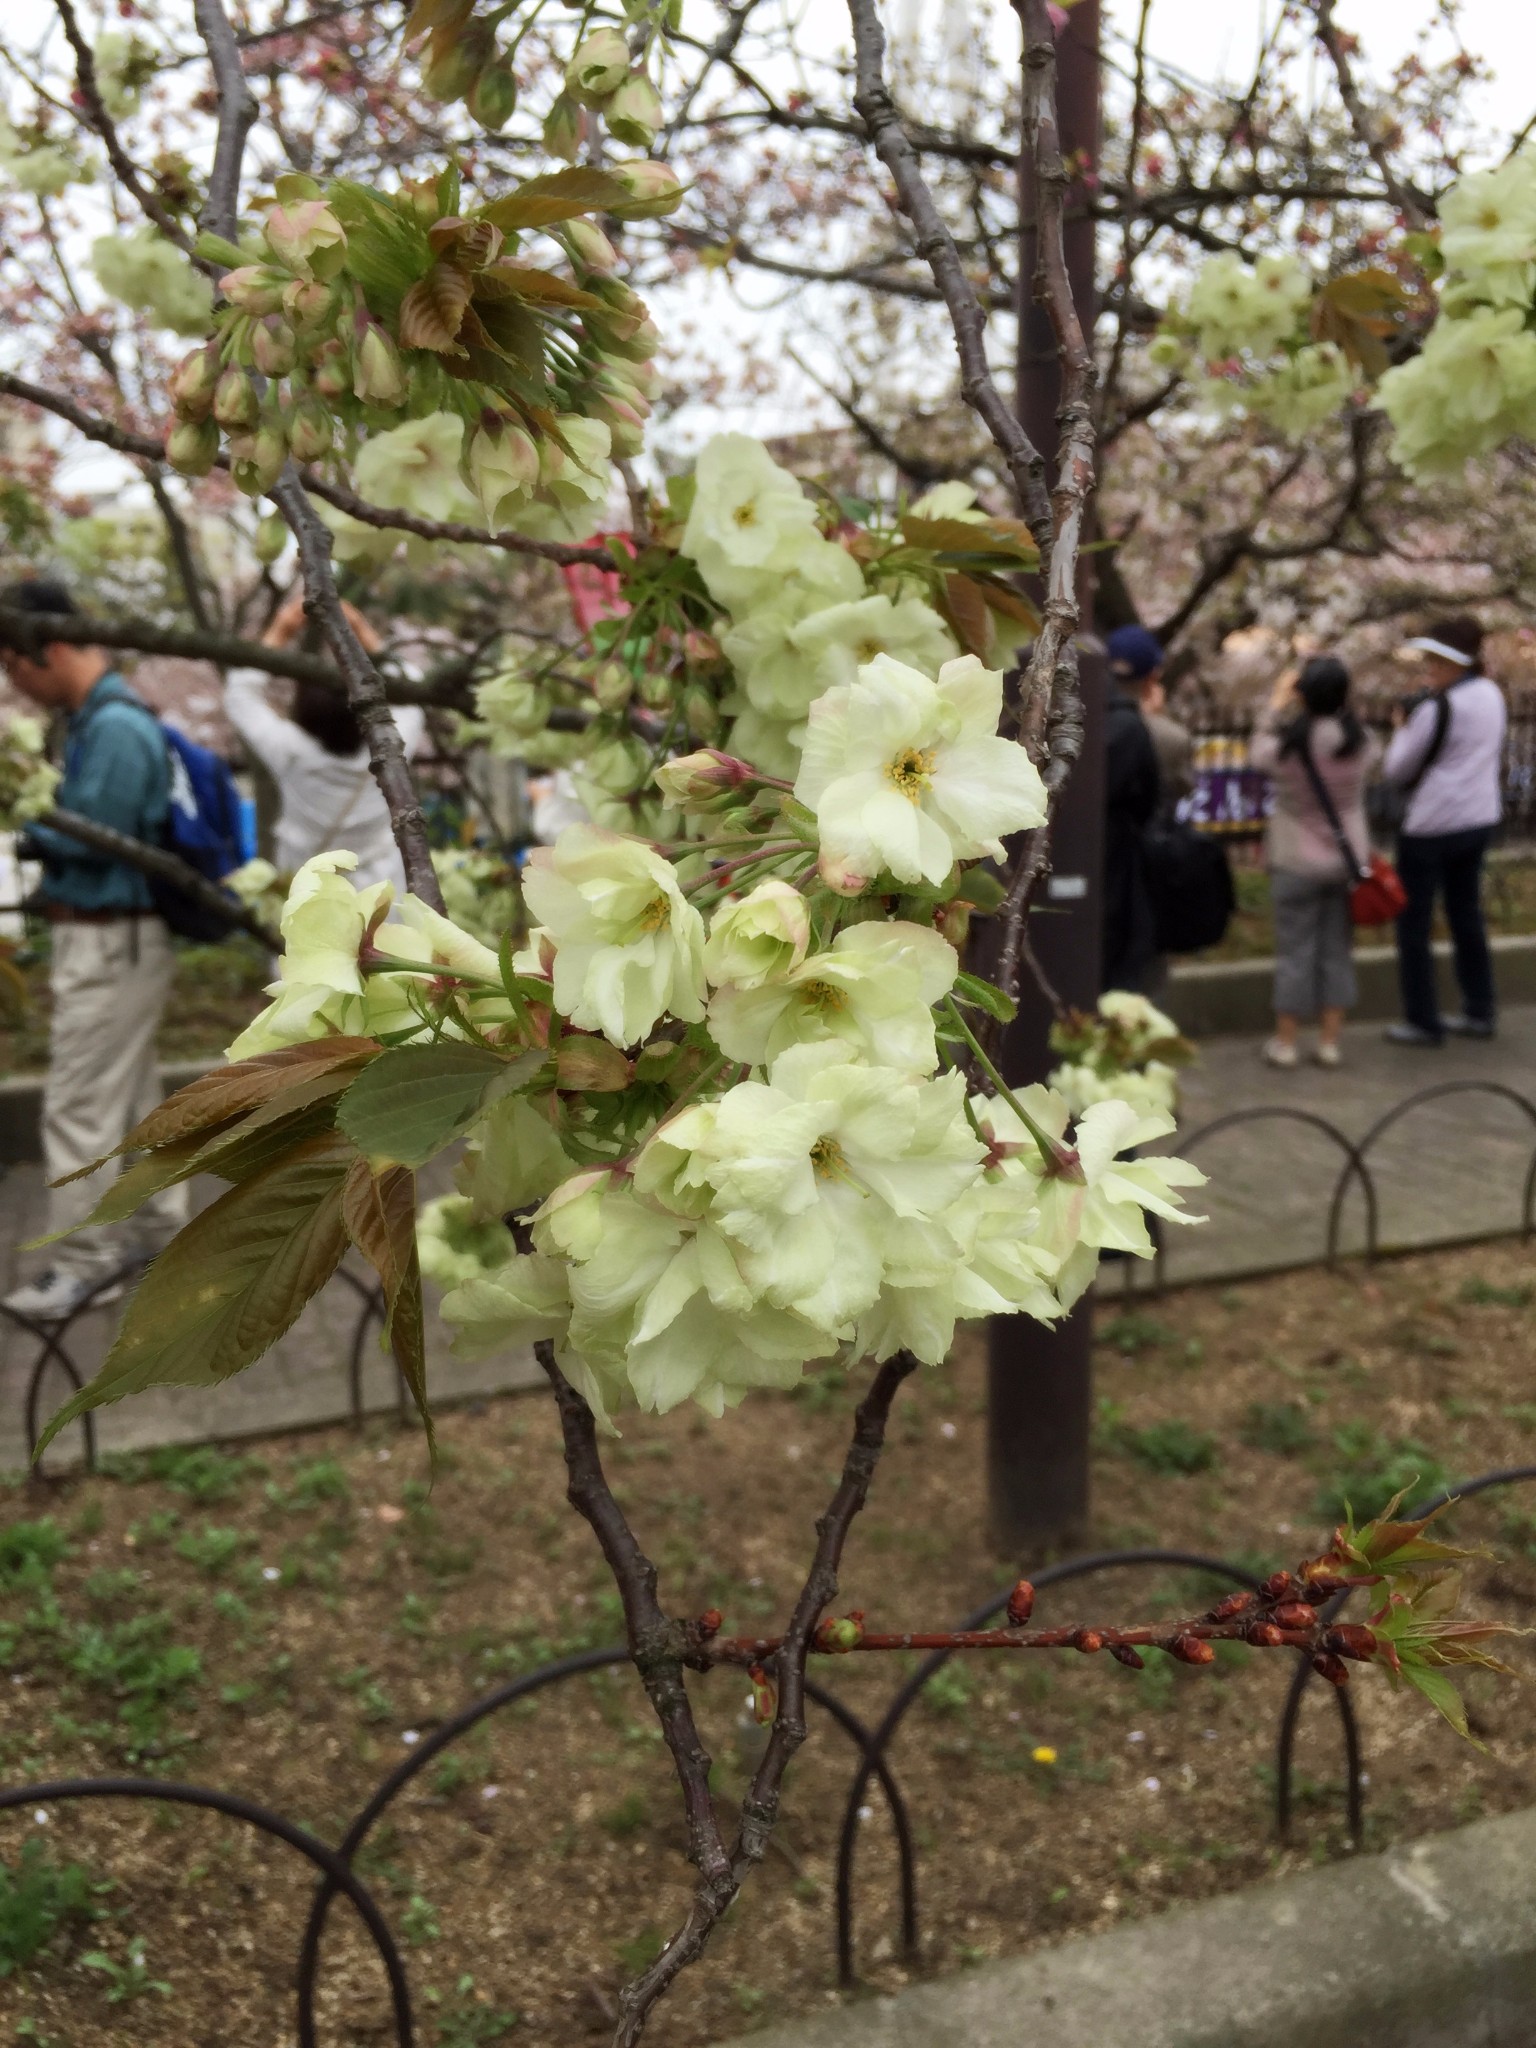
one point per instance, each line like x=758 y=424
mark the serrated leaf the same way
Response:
x=1442 y=1696
x=982 y=538
x=982 y=995
x=225 y=1289
x=431 y=311
x=965 y=608
x=525 y=281
x=1002 y=598
x=557 y=196
x=412 y=1101
x=980 y=887
x=229 y=1092
x=379 y=1211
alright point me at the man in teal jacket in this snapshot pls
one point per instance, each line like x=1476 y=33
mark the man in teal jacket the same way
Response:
x=112 y=958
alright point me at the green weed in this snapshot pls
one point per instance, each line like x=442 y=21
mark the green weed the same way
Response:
x=948 y=1691
x=1170 y=1449
x=628 y=1817
x=127 y=1980
x=1484 y=1294
x=211 y=1550
x=28 y=1553
x=419 y=1922
x=467 y=2019
x=39 y=1897
x=1372 y=1468
x=1278 y=1426
x=1134 y=1332
x=202 y=1472
x=641 y=1950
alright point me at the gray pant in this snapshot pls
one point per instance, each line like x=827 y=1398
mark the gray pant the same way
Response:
x=110 y=983
x=1314 y=969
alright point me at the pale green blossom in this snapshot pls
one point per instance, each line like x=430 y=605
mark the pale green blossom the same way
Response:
x=906 y=775
x=1471 y=387
x=950 y=500
x=1308 y=388
x=873 y=989
x=761 y=936
x=415 y=467
x=456 y=1243
x=515 y=1159
x=1488 y=229
x=145 y=271
x=629 y=947
x=1236 y=308
x=749 y=524
x=772 y=745
x=843 y=639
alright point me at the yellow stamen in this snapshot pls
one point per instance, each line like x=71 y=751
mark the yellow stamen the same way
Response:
x=745 y=514
x=656 y=914
x=911 y=771
x=827 y=1159
x=824 y=996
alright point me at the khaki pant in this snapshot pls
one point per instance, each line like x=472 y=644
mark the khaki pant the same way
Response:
x=109 y=984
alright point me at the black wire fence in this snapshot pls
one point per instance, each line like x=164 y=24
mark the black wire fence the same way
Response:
x=335 y=1866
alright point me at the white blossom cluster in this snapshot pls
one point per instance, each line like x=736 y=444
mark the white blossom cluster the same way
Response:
x=744 y=1124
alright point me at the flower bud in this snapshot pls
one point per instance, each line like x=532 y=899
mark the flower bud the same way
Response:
x=255 y=288
x=838 y=876
x=1279 y=1586
x=638 y=345
x=954 y=924
x=613 y=685
x=493 y=97
x=1295 y=1614
x=598 y=67
x=711 y=1621
x=304 y=235
x=1326 y=1665
x=308 y=303
x=698 y=781
x=1264 y=1635
x=271 y=538
x=589 y=246
x=378 y=377
x=634 y=115
x=1192 y=1650
x=309 y=431
x=1131 y=1659
x=1021 y=1604
x=193 y=381
x=272 y=346
x=754 y=941
x=1088 y=1640
x=256 y=471
x=332 y=372
x=1352 y=1639
x=763 y=1702
x=192 y=447
x=701 y=715
x=839 y=1634
x=654 y=189
x=235 y=404
x=1233 y=1605
x=565 y=128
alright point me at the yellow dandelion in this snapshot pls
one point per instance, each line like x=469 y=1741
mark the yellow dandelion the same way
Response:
x=1042 y=1753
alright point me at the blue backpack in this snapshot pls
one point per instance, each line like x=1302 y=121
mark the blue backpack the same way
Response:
x=203 y=828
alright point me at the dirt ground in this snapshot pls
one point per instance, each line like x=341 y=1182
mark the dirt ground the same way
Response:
x=286 y=1618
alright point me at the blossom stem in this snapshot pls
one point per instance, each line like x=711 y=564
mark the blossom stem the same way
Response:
x=1052 y=1151
x=775 y=850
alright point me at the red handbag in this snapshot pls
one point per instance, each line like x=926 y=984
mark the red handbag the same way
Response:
x=1379 y=896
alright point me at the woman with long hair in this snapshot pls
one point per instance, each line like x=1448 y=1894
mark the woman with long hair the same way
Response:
x=317 y=755
x=1310 y=735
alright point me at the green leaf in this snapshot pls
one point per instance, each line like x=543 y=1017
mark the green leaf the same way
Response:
x=229 y=1092
x=1441 y=1694
x=979 y=886
x=982 y=995
x=416 y=1099
x=545 y=201
x=379 y=1211
x=230 y=1284
x=986 y=540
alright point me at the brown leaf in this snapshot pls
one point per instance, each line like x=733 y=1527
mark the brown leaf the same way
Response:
x=1004 y=538
x=379 y=1211
x=432 y=309
x=555 y=196
x=965 y=607
x=472 y=243
x=433 y=13
x=505 y=280
x=1002 y=598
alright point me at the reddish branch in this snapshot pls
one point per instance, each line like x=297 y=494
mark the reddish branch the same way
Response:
x=664 y=1648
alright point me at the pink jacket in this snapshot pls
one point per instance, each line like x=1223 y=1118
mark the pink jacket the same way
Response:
x=1299 y=839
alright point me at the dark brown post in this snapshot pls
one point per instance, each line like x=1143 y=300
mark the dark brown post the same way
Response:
x=1040 y=1382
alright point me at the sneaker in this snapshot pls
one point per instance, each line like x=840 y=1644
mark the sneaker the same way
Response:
x=1277 y=1053
x=1411 y=1034
x=1470 y=1027
x=1328 y=1056
x=56 y=1295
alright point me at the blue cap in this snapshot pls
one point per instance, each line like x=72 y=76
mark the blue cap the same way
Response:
x=1135 y=652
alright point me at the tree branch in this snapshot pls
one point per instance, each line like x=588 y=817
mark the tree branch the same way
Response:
x=122 y=164
x=1410 y=202
x=935 y=244
x=237 y=116
x=162 y=866
x=365 y=687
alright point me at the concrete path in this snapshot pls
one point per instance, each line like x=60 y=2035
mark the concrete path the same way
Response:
x=303 y=1381
x=1455 y=1167
x=1432 y=1945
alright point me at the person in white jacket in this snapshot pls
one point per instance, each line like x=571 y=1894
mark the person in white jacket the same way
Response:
x=318 y=757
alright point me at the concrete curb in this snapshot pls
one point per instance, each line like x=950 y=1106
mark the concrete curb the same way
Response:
x=1213 y=1000
x=1432 y=1945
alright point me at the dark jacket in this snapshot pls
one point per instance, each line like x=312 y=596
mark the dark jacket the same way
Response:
x=116 y=772
x=1131 y=791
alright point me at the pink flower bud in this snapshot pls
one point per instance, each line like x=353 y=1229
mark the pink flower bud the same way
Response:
x=599 y=66
x=255 y=288
x=702 y=778
x=565 y=129
x=838 y=876
x=272 y=346
x=634 y=114
x=306 y=236
x=589 y=246
x=654 y=189
x=332 y=373
x=493 y=97
x=308 y=303
x=309 y=431
x=378 y=377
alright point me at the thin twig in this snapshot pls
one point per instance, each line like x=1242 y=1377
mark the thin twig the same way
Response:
x=161 y=866
x=237 y=116
x=1411 y=203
